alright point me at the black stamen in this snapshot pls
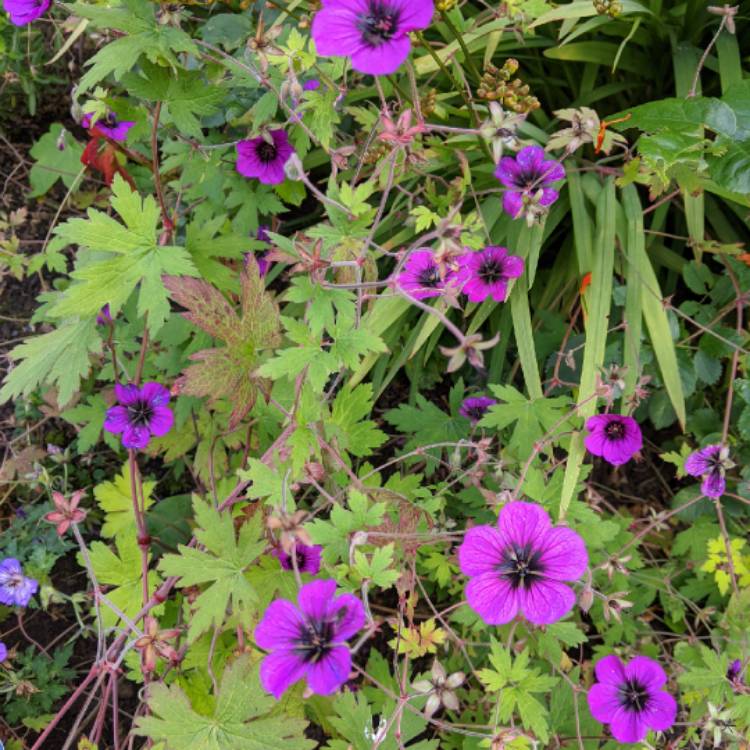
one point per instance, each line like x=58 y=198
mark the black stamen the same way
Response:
x=490 y=271
x=615 y=430
x=521 y=566
x=634 y=696
x=266 y=151
x=140 y=413
x=429 y=277
x=315 y=640
x=379 y=25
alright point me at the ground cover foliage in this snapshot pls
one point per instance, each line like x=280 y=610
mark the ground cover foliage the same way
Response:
x=375 y=375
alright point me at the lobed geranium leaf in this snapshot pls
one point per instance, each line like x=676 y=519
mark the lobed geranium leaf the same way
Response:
x=242 y=717
x=221 y=565
x=231 y=371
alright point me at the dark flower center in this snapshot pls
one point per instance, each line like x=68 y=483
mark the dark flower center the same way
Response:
x=266 y=151
x=521 y=566
x=615 y=430
x=490 y=271
x=379 y=25
x=476 y=412
x=634 y=695
x=140 y=413
x=15 y=581
x=110 y=120
x=315 y=640
x=429 y=277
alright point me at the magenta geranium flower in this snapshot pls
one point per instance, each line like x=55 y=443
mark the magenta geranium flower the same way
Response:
x=308 y=558
x=264 y=157
x=141 y=413
x=710 y=463
x=23 y=12
x=421 y=276
x=520 y=566
x=475 y=407
x=309 y=640
x=614 y=437
x=486 y=273
x=374 y=33
x=110 y=126
x=16 y=589
x=527 y=178
x=630 y=698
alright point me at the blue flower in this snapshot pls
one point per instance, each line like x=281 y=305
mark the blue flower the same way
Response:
x=15 y=588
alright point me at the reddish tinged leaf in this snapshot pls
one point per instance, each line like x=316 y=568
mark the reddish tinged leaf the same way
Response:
x=228 y=371
x=101 y=156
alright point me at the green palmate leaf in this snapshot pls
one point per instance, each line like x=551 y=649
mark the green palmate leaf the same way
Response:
x=121 y=569
x=187 y=96
x=348 y=426
x=159 y=43
x=427 y=424
x=230 y=371
x=57 y=156
x=60 y=358
x=334 y=534
x=130 y=256
x=533 y=418
x=115 y=498
x=220 y=566
x=264 y=481
x=243 y=717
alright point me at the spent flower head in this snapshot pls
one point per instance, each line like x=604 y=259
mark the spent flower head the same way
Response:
x=66 y=511
x=440 y=689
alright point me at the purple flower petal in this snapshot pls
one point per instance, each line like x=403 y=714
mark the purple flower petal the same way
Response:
x=512 y=203
x=714 y=485
x=492 y=598
x=564 y=557
x=523 y=523
x=161 y=421
x=348 y=615
x=481 y=551
x=546 y=602
x=507 y=171
x=280 y=670
x=549 y=196
x=135 y=436
x=127 y=394
x=382 y=60
x=646 y=671
x=116 y=420
x=530 y=159
x=3 y=652
x=604 y=701
x=314 y=598
x=627 y=726
x=701 y=461
x=328 y=674
x=610 y=670
x=155 y=393
x=23 y=12
x=661 y=712
x=280 y=626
